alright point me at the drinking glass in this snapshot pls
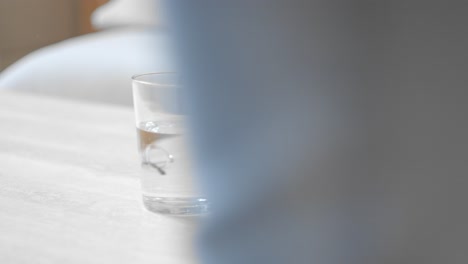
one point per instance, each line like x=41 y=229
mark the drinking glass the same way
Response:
x=166 y=177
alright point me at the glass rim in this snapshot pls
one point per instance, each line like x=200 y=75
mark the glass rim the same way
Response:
x=136 y=76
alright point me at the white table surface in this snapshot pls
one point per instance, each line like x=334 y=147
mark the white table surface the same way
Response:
x=69 y=188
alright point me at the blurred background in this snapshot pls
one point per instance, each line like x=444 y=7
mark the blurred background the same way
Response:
x=80 y=49
x=26 y=25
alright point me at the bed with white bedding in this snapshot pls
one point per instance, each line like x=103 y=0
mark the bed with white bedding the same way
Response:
x=97 y=66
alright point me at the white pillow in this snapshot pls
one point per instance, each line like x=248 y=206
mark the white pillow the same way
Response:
x=122 y=13
x=93 y=67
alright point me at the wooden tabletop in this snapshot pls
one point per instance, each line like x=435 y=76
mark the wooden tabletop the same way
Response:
x=69 y=187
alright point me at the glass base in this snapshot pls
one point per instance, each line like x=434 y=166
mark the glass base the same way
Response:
x=176 y=206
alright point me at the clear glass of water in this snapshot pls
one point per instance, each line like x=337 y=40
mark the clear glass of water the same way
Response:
x=166 y=178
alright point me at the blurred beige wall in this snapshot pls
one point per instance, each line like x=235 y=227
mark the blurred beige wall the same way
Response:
x=26 y=25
